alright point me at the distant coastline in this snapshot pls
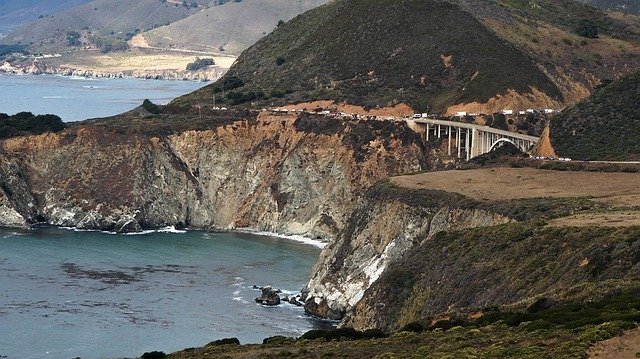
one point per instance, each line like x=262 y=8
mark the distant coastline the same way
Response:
x=41 y=68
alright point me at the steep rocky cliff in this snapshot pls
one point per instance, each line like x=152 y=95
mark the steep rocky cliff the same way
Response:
x=469 y=273
x=391 y=237
x=386 y=227
x=286 y=174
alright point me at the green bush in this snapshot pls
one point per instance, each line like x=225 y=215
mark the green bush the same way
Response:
x=225 y=341
x=150 y=106
x=200 y=64
x=588 y=29
x=25 y=123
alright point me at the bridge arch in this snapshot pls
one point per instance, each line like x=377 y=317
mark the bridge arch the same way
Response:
x=500 y=141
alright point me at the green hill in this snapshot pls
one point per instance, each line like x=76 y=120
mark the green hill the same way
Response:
x=602 y=127
x=434 y=55
x=232 y=26
x=15 y=13
x=111 y=20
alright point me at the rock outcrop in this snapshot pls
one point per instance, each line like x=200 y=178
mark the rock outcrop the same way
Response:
x=285 y=174
x=381 y=231
x=268 y=297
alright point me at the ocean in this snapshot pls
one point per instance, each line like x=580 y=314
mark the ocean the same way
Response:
x=67 y=293
x=80 y=98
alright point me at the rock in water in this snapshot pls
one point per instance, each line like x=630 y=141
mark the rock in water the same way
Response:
x=295 y=301
x=269 y=296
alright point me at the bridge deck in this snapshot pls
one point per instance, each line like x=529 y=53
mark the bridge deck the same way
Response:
x=476 y=127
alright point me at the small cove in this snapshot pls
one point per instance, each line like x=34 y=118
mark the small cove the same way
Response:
x=95 y=295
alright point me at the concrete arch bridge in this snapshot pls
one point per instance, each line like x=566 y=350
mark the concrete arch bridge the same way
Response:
x=467 y=140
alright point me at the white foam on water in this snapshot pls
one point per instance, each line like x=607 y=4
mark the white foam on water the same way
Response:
x=296 y=238
x=81 y=78
x=289 y=292
x=170 y=229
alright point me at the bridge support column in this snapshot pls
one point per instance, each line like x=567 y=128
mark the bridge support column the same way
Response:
x=475 y=143
x=458 y=137
x=439 y=131
x=466 y=145
x=449 y=144
x=426 y=134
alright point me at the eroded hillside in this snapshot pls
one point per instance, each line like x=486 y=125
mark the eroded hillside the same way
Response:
x=286 y=174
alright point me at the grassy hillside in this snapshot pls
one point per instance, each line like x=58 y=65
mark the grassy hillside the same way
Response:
x=15 y=13
x=231 y=27
x=380 y=53
x=515 y=263
x=113 y=19
x=628 y=6
x=602 y=127
x=489 y=339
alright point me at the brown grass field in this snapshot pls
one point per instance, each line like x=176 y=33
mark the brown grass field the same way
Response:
x=617 y=189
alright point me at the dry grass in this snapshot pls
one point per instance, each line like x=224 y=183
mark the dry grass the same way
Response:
x=606 y=219
x=514 y=183
x=139 y=60
x=622 y=347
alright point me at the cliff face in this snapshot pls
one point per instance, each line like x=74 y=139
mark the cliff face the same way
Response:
x=466 y=273
x=283 y=174
x=384 y=229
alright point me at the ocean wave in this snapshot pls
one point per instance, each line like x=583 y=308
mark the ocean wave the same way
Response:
x=54 y=97
x=170 y=229
x=81 y=78
x=296 y=238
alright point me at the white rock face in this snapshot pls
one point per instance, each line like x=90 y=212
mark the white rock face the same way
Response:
x=10 y=218
x=383 y=233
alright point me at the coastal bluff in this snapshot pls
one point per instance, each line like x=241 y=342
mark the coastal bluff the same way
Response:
x=293 y=174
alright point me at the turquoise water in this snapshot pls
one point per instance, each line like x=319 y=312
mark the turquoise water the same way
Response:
x=80 y=98
x=65 y=294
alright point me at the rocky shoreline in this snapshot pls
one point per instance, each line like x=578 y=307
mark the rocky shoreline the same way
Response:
x=36 y=67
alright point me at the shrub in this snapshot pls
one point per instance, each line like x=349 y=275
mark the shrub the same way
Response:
x=414 y=327
x=586 y=28
x=25 y=123
x=231 y=82
x=154 y=355
x=73 y=38
x=200 y=64
x=225 y=341
x=150 y=106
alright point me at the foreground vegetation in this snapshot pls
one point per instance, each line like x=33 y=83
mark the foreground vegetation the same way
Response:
x=518 y=290
x=563 y=332
x=26 y=123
